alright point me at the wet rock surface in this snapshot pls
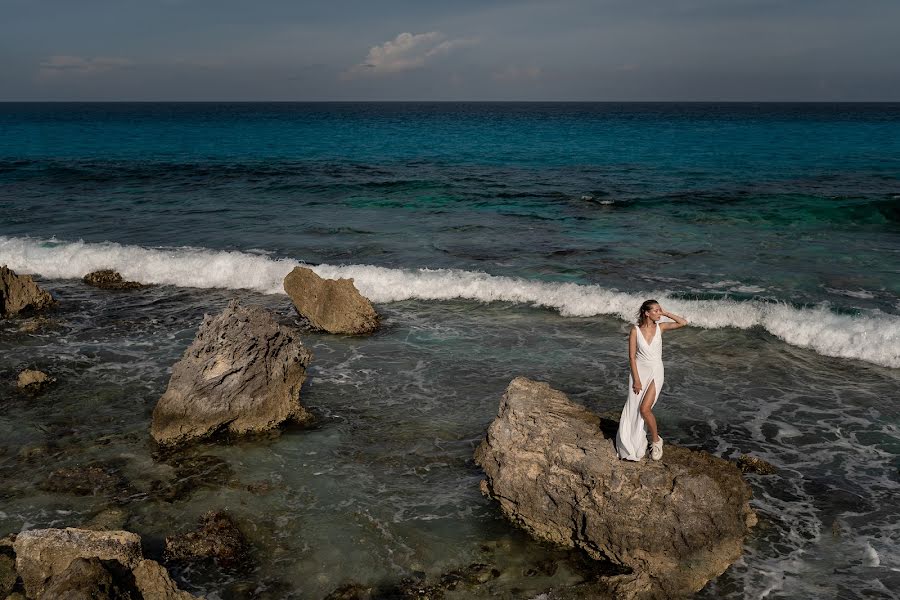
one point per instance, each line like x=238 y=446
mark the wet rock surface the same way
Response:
x=44 y=553
x=191 y=474
x=33 y=380
x=217 y=538
x=242 y=374
x=91 y=579
x=85 y=481
x=332 y=305
x=8 y=575
x=20 y=294
x=752 y=464
x=108 y=279
x=78 y=563
x=552 y=466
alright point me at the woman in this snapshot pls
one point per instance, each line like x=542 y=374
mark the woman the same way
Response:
x=645 y=381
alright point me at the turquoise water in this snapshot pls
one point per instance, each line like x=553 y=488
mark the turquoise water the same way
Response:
x=498 y=240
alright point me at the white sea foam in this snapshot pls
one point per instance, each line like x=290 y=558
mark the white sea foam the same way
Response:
x=874 y=338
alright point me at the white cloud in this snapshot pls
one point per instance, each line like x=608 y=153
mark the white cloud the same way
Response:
x=407 y=51
x=514 y=73
x=56 y=65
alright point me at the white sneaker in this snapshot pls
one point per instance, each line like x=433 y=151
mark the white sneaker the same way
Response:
x=656 y=449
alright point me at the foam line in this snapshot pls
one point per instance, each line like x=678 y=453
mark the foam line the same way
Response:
x=875 y=339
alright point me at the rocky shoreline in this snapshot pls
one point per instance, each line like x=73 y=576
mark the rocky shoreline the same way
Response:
x=547 y=464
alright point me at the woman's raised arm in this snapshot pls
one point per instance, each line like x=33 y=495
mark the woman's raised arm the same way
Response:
x=678 y=324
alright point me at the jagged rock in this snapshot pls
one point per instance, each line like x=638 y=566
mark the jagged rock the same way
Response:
x=752 y=464
x=154 y=582
x=218 y=537
x=113 y=562
x=20 y=293
x=552 y=466
x=89 y=579
x=108 y=279
x=33 y=380
x=34 y=324
x=242 y=373
x=85 y=481
x=43 y=553
x=333 y=305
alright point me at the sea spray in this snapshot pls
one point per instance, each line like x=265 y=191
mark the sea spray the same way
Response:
x=872 y=337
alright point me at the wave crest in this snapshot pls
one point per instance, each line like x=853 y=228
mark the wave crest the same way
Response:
x=874 y=339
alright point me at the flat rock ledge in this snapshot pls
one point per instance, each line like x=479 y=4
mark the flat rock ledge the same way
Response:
x=108 y=279
x=242 y=374
x=552 y=465
x=19 y=293
x=332 y=305
x=78 y=563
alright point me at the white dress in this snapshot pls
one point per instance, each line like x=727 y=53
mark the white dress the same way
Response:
x=631 y=439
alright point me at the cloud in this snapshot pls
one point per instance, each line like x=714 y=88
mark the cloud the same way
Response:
x=513 y=74
x=406 y=52
x=59 y=64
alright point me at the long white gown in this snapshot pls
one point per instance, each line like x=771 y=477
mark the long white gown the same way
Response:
x=631 y=439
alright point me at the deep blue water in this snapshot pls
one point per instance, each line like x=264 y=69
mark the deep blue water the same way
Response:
x=498 y=239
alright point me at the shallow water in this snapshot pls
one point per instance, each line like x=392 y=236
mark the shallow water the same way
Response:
x=383 y=485
x=497 y=241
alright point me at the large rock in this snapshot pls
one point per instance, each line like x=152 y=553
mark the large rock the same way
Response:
x=44 y=553
x=552 y=466
x=77 y=563
x=334 y=305
x=154 y=582
x=20 y=293
x=242 y=374
x=86 y=579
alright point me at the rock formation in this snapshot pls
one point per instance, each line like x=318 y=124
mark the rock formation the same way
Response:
x=77 y=563
x=33 y=380
x=218 y=537
x=333 y=305
x=108 y=279
x=242 y=373
x=43 y=553
x=20 y=293
x=752 y=464
x=552 y=466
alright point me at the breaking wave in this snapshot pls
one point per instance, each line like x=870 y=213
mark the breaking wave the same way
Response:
x=874 y=338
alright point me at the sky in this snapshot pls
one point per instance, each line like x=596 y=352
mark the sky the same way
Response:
x=348 y=50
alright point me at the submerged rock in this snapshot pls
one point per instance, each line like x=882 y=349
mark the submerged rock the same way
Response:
x=85 y=481
x=333 y=305
x=19 y=293
x=77 y=563
x=33 y=380
x=552 y=466
x=242 y=374
x=191 y=474
x=108 y=279
x=752 y=464
x=218 y=537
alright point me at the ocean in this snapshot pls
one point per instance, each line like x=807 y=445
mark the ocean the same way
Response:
x=496 y=240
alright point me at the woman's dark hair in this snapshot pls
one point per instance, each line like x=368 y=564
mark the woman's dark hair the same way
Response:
x=642 y=311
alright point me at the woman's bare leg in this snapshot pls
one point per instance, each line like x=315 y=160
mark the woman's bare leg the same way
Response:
x=647 y=412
